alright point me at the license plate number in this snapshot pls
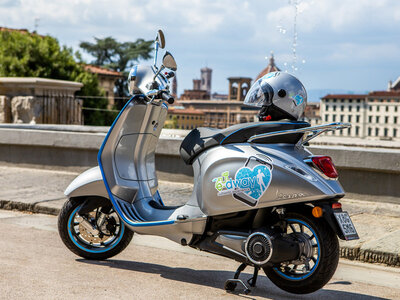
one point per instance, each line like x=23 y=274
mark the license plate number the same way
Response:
x=347 y=226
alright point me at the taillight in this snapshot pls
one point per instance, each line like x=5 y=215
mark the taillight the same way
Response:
x=325 y=164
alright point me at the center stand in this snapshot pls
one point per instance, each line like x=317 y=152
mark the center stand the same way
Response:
x=231 y=284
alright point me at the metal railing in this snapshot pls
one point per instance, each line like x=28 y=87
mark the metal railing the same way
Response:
x=313 y=130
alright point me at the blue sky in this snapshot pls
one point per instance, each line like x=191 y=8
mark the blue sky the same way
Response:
x=341 y=45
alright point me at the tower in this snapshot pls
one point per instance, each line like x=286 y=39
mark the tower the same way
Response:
x=206 y=79
x=174 y=87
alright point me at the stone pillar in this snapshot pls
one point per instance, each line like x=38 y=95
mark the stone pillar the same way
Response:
x=239 y=91
x=5 y=109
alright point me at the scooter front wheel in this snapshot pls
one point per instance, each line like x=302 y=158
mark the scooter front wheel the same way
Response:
x=98 y=234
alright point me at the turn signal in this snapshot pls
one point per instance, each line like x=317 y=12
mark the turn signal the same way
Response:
x=317 y=212
x=325 y=164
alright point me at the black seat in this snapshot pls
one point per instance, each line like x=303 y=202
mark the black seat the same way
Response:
x=202 y=138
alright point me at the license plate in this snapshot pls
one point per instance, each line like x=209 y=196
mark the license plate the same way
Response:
x=345 y=223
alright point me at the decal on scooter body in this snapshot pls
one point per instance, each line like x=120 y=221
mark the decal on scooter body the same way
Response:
x=247 y=186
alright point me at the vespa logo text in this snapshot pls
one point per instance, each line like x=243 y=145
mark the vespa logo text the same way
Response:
x=290 y=196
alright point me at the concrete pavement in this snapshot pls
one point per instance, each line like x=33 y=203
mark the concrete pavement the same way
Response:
x=41 y=191
x=35 y=264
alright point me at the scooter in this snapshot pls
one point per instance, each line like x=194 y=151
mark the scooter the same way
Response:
x=259 y=196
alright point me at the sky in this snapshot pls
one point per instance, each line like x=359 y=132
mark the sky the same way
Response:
x=340 y=45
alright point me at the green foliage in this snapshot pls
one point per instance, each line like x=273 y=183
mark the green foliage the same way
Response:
x=32 y=55
x=118 y=56
x=171 y=123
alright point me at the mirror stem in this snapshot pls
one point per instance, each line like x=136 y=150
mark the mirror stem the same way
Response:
x=158 y=72
x=155 y=53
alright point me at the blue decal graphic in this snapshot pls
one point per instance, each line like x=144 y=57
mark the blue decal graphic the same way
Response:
x=252 y=182
x=270 y=75
x=298 y=99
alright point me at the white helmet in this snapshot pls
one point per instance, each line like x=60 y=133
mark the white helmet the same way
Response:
x=280 y=95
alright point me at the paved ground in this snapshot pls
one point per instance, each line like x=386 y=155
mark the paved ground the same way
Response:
x=378 y=224
x=36 y=265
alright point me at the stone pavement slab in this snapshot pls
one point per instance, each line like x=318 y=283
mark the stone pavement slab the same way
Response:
x=42 y=191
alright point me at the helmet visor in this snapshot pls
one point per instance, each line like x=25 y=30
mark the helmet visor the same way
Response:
x=259 y=94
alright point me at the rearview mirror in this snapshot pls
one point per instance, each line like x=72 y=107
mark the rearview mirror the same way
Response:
x=169 y=61
x=160 y=39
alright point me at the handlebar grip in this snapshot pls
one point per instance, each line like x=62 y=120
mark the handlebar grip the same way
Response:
x=167 y=97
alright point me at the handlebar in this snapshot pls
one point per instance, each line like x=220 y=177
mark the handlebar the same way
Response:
x=167 y=97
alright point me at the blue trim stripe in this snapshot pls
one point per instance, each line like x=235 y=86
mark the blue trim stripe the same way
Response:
x=294 y=277
x=100 y=250
x=113 y=201
x=255 y=125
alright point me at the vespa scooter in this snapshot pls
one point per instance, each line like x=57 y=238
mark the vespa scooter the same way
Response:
x=259 y=196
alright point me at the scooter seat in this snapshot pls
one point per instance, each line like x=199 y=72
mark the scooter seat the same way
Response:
x=203 y=138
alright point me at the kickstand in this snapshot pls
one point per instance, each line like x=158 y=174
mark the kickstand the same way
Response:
x=231 y=284
x=253 y=280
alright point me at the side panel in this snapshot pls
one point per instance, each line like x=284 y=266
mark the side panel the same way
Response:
x=89 y=183
x=242 y=177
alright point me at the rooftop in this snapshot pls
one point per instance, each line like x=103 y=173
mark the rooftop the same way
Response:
x=102 y=71
x=344 y=96
x=384 y=93
x=25 y=31
x=185 y=111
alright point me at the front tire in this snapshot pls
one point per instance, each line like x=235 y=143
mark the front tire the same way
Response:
x=322 y=262
x=82 y=235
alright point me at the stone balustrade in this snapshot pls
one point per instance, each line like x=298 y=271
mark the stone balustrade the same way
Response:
x=39 y=101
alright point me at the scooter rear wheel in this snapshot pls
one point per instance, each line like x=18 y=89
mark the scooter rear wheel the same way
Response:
x=316 y=268
x=86 y=237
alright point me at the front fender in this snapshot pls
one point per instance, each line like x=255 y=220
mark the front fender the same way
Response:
x=89 y=183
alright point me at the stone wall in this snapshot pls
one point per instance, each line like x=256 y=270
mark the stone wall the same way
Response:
x=365 y=173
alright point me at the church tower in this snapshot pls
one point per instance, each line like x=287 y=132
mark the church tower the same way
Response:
x=174 y=87
x=206 y=79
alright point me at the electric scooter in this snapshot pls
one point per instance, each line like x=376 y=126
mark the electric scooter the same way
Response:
x=259 y=196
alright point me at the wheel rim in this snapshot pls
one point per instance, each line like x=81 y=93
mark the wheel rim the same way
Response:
x=301 y=269
x=83 y=239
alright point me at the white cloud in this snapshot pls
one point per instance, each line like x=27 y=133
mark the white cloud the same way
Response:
x=232 y=36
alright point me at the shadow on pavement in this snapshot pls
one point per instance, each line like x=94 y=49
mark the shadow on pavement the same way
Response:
x=216 y=279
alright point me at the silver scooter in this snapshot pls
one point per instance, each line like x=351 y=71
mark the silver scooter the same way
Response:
x=259 y=196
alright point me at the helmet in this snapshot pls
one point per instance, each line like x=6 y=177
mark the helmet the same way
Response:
x=280 y=96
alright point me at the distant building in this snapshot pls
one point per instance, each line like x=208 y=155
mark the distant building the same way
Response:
x=221 y=114
x=196 y=92
x=238 y=88
x=223 y=110
x=312 y=113
x=270 y=68
x=206 y=79
x=174 y=87
x=375 y=115
x=216 y=96
x=107 y=80
x=181 y=118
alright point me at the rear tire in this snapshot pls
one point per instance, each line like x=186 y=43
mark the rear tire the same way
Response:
x=91 y=247
x=326 y=257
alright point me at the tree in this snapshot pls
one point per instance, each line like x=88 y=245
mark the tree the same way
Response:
x=117 y=56
x=24 y=54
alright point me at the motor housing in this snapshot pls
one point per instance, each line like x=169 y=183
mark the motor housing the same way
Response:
x=259 y=248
